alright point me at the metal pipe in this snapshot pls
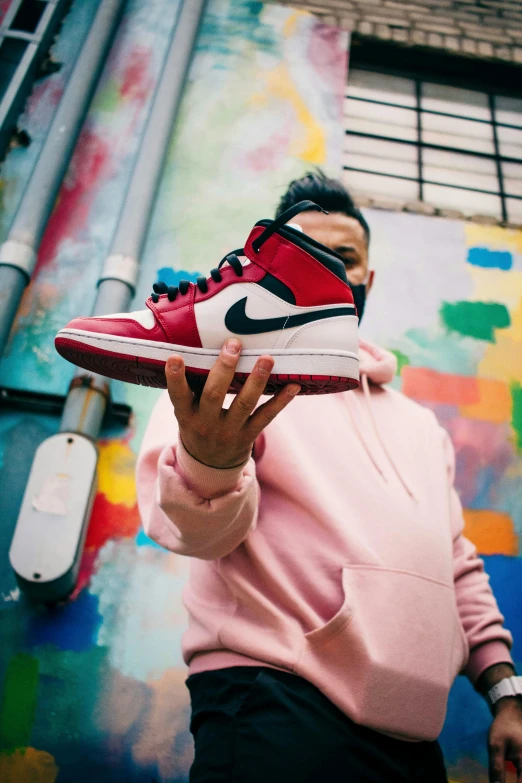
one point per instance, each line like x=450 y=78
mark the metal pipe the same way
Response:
x=19 y=250
x=123 y=260
x=12 y=287
x=84 y=411
x=88 y=397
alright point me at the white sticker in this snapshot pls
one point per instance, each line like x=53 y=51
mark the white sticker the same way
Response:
x=53 y=497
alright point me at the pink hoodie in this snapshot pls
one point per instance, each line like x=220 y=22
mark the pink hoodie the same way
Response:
x=336 y=552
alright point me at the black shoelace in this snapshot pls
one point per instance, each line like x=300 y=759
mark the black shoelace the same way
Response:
x=201 y=282
x=232 y=258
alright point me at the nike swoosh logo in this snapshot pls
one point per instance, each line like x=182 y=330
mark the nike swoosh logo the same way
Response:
x=238 y=322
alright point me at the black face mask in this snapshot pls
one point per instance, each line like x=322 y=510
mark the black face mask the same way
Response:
x=359 y=297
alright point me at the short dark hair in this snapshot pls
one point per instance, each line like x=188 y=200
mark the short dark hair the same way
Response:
x=330 y=194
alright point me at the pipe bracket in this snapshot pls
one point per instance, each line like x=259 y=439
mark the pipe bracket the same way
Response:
x=18 y=254
x=122 y=268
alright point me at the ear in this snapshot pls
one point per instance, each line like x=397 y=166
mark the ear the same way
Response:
x=370 y=282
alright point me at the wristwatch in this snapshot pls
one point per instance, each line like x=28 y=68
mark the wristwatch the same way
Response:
x=509 y=686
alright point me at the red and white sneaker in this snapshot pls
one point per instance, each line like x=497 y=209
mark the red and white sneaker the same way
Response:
x=288 y=296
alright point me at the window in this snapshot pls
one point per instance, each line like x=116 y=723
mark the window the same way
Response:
x=412 y=139
x=28 y=15
x=11 y=52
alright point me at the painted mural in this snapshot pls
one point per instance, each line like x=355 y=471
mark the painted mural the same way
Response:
x=94 y=689
x=457 y=334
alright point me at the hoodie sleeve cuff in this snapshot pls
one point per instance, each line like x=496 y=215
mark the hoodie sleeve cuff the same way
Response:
x=205 y=481
x=486 y=655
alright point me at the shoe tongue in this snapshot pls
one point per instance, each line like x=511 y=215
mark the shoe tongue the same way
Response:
x=321 y=253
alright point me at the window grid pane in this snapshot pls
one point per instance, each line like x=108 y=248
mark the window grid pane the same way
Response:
x=454 y=100
x=508 y=111
x=381 y=87
x=466 y=201
x=404 y=139
x=512 y=173
x=514 y=209
x=374 y=184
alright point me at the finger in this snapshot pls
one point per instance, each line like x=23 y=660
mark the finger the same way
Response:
x=247 y=399
x=497 y=763
x=219 y=379
x=269 y=410
x=179 y=391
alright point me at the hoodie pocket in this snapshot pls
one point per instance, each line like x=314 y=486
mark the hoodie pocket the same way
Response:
x=389 y=656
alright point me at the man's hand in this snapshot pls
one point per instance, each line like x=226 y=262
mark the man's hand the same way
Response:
x=505 y=739
x=217 y=437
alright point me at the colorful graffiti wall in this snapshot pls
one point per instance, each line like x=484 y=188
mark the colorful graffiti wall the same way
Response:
x=93 y=690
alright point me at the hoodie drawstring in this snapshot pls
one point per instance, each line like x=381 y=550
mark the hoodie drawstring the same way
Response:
x=367 y=398
x=358 y=430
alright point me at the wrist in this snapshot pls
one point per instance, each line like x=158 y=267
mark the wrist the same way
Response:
x=206 y=481
x=208 y=465
x=493 y=675
x=502 y=688
x=506 y=704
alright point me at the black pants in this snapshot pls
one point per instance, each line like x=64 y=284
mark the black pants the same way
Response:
x=261 y=725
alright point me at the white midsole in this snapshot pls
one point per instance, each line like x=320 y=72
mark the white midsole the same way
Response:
x=287 y=361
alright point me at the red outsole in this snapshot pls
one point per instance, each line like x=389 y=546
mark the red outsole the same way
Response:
x=151 y=372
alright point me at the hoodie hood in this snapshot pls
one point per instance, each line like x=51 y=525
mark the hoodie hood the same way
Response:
x=379 y=365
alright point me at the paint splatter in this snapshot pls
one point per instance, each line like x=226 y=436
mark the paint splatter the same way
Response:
x=422 y=384
x=516 y=422
x=503 y=358
x=475 y=319
x=493 y=237
x=19 y=701
x=270 y=153
x=4 y=5
x=111 y=520
x=483 y=456
x=107 y=96
x=142 y=624
x=87 y=567
x=45 y=97
x=327 y=50
x=12 y=595
x=438 y=350
x=116 y=468
x=69 y=627
x=402 y=360
x=169 y=714
x=309 y=143
x=492 y=532
x=108 y=521
x=66 y=716
x=137 y=82
x=506 y=581
x=28 y=764
x=494 y=285
x=494 y=402
x=142 y=539
x=482 y=256
x=91 y=156
x=172 y=276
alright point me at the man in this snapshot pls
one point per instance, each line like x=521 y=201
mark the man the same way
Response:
x=332 y=597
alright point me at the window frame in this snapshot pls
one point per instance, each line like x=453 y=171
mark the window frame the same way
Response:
x=421 y=65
